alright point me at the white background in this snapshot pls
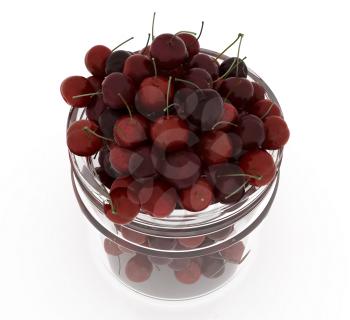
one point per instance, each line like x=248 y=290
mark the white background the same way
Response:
x=299 y=47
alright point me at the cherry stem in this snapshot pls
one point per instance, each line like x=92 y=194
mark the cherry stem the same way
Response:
x=169 y=106
x=200 y=32
x=234 y=63
x=241 y=175
x=122 y=43
x=87 y=95
x=114 y=211
x=188 y=32
x=223 y=122
x=88 y=130
x=126 y=104
x=187 y=82
x=154 y=17
x=144 y=49
x=238 y=51
x=154 y=67
x=228 y=47
x=168 y=96
x=268 y=111
x=236 y=191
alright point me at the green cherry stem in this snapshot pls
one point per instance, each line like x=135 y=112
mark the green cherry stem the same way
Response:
x=223 y=122
x=87 y=95
x=268 y=111
x=229 y=46
x=126 y=104
x=144 y=49
x=154 y=17
x=89 y=131
x=168 y=96
x=119 y=45
x=200 y=32
x=238 y=51
x=154 y=67
x=169 y=106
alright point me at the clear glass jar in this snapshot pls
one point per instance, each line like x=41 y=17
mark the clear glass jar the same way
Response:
x=155 y=257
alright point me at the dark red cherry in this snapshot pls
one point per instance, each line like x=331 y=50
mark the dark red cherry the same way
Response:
x=169 y=51
x=158 y=198
x=238 y=90
x=95 y=108
x=276 y=131
x=230 y=115
x=130 y=131
x=251 y=130
x=133 y=236
x=119 y=158
x=237 y=145
x=95 y=60
x=258 y=94
x=116 y=87
x=215 y=147
x=221 y=234
x=75 y=86
x=81 y=139
x=260 y=165
x=115 y=61
x=200 y=77
x=138 y=269
x=107 y=120
x=191 y=243
x=198 y=196
x=105 y=178
x=138 y=67
x=205 y=62
x=264 y=108
x=103 y=159
x=190 y=274
x=233 y=253
x=242 y=71
x=191 y=43
x=140 y=163
x=95 y=82
x=213 y=266
x=170 y=133
x=111 y=248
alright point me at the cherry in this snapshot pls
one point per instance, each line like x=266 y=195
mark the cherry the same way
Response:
x=170 y=133
x=213 y=266
x=138 y=67
x=95 y=60
x=107 y=120
x=233 y=253
x=82 y=139
x=158 y=198
x=111 y=248
x=200 y=77
x=130 y=131
x=96 y=83
x=117 y=87
x=138 y=268
x=215 y=147
x=104 y=177
x=127 y=183
x=103 y=159
x=125 y=206
x=190 y=274
x=251 y=130
x=259 y=93
x=191 y=243
x=260 y=165
x=116 y=60
x=191 y=43
x=178 y=264
x=119 y=158
x=133 y=236
x=205 y=62
x=162 y=243
x=198 y=196
x=242 y=71
x=140 y=163
x=237 y=144
x=264 y=108
x=229 y=116
x=95 y=108
x=75 y=86
x=181 y=168
x=238 y=90
x=221 y=234
x=168 y=50
x=277 y=132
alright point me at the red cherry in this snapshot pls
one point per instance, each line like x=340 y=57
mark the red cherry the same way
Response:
x=207 y=63
x=111 y=248
x=116 y=87
x=75 y=86
x=200 y=77
x=260 y=164
x=191 y=43
x=251 y=130
x=277 y=132
x=169 y=51
x=95 y=82
x=138 y=268
x=125 y=183
x=158 y=198
x=81 y=139
x=258 y=94
x=138 y=67
x=170 y=133
x=95 y=60
x=133 y=236
x=264 y=108
x=125 y=206
x=141 y=164
x=230 y=115
x=95 y=108
x=191 y=243
x=119 y=158
x=215 y=147
x=221 y=234
x=130 y=131
x=238 y=90
x=190 y=274
x=198 y=196
x=233 y=253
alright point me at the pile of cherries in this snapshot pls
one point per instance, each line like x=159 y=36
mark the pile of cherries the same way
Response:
x=173 y=128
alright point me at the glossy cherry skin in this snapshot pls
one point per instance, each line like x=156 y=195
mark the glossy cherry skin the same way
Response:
x=115 y=61
x=213 y=266
x=103 y=159
x=96 y=83
x=158 y=198
x=133 y=236
x=251 y=130
x=138 y=67
x=191 y=243
x=114 y=85
x=119 y=158
x=215 y=147
x=111 y=248
x=221 y=234
x=95 y=108
x=95 y=60
x=130 y=131
x=205 y=62
x=191 y=43
x=168 y=50
x=233 y=253
x=200 y=77
x=190 y=274
x=80 y=141
x=258 y=94
x=126 y=206
x=74 y=86
x=238 y=90
x=170 y=133
x=138 y=269
x=226 y=64
x=107 y=119
x=237 y=145
x=264 y=108
x=140 y=163
x=277 y=132
x=230 y=115
x=197 y=197
x=258 y=163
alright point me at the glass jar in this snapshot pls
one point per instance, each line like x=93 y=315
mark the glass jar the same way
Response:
x=185 y=255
